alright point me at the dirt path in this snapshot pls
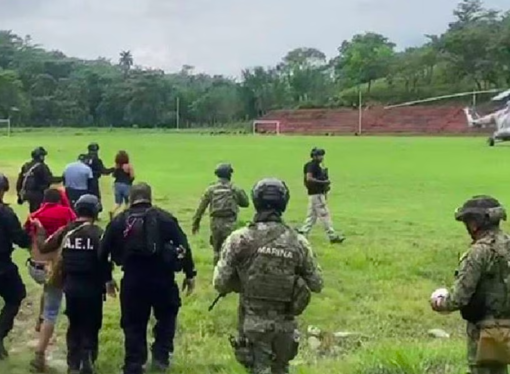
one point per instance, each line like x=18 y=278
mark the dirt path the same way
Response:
x=23 y=340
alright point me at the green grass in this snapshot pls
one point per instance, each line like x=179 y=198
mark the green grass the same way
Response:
x=393 y=197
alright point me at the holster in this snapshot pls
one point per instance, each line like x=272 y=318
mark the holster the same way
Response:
x=494 y=342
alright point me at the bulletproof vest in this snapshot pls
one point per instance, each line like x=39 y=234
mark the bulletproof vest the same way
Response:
x=223 y=200
x=269 y=273
x=141 y=233
x=80 y=249
x=492 y=295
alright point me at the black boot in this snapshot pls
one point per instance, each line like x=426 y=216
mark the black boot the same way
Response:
x=159 y=367
x=87 y=364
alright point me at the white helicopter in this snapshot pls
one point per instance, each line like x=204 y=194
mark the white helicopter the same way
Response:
x=499 y=118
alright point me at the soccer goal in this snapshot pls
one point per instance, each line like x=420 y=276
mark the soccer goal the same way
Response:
x=266 y=127
x=7 y=124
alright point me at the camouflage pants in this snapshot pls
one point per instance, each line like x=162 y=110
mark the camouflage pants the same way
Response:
x=473 y=335
x=221 y=228
x=318 y=209
x=266 y=349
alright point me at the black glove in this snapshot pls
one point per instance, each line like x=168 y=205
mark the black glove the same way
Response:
x=20 y=200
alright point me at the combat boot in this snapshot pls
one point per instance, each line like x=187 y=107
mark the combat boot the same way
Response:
x=3 y=352
x=38 y=364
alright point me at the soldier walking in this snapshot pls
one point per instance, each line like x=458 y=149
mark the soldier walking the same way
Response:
x=223 y=199
x=274 y=270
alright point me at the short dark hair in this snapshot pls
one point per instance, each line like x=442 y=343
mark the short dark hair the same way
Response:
x=52 y=195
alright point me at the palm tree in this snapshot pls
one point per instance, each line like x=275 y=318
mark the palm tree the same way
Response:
x=125 y=61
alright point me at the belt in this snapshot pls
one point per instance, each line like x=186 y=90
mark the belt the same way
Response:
x=36 y=265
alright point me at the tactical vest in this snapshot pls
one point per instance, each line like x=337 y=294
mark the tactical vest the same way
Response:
x=80 y=251
x=270 y=281
x=492 y=295
x=141 y=233
x=223 y=200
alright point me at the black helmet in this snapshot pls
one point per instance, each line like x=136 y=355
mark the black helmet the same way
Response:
x=93 y=147
x=224 y=171
x=82 y=158
x=39 y=153
x=87 y=205
x=485 y=210
x=270 y=194
x=140 y=193
x=4 y=183
x=317 y=152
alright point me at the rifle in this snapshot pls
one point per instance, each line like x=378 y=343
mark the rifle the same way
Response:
x=325 y=176
x=215 y=301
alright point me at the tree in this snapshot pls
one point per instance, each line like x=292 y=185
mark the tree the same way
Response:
x=11 y=94
x=306 y=72
x=126 y=62
x=363 y=59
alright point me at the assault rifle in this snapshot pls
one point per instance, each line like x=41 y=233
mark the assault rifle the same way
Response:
x=215 y=301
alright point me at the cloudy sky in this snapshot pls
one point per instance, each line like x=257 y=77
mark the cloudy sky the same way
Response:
x=218 y=36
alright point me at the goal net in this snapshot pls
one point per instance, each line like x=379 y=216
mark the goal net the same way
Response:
x=5 y=124
x=266 y=127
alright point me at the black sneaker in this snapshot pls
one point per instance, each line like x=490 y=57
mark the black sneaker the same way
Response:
x=87 y=366
x=337 y=239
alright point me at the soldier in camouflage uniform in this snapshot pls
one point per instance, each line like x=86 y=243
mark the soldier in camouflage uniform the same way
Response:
x=274 y=270
x=224 y=200
x=481 y=287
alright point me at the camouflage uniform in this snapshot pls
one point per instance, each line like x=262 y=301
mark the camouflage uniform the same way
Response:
x=480 y=291
x=258 y=262
x=224 y=200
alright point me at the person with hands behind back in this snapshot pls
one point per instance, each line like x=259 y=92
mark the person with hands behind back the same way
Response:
x=85 y=277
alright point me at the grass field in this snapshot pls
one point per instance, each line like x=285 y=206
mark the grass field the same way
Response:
x=393 y=198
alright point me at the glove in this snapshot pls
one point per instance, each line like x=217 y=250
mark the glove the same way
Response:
x=20 y=200
x=188 y=284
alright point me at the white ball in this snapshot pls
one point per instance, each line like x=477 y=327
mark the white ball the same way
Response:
x=440 y=292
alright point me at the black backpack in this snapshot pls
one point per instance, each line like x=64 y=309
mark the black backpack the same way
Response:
x=141 y=233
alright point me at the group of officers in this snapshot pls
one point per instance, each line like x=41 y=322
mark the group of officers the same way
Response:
x=270 y=264
x=35 y=176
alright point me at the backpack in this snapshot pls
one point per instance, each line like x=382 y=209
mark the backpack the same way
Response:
x=223 y=201
x=29 y=182
x=141 y=233
x=271 y=281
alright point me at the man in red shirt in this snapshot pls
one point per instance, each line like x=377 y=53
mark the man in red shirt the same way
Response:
x=53 y=216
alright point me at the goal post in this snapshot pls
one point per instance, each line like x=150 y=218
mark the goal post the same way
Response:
x=266 y=127
x=7 y=123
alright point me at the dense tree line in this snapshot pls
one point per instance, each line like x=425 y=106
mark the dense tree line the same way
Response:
x=47 y=88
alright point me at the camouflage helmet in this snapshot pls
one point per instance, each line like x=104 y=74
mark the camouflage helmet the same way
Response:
x=224 y=171
x=39 y=152
x=270 y=194
x=484 y=209
x=93 y=147
x=140 y=193
x=88 y=203
x=317 y=152
x=4 y=183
